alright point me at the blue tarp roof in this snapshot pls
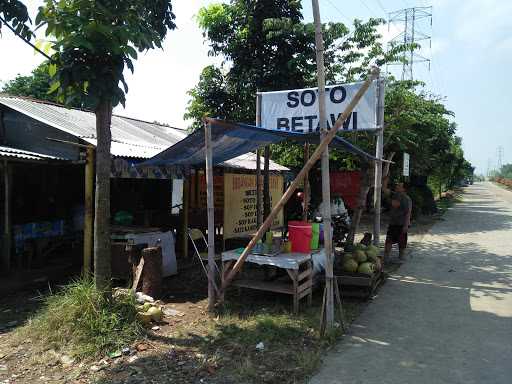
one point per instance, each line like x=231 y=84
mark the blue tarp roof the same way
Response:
x=230 y=140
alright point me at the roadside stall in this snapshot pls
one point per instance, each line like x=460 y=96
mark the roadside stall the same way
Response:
x=229 y=140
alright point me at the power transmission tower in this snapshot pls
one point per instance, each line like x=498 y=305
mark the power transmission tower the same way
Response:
x=413 y=24
x=500 y=158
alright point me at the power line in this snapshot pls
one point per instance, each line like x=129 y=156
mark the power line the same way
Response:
x=339 y=11
x=382 y=7
x=368 y=8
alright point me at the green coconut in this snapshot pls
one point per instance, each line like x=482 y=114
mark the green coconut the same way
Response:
x=360 y=256
x=155 y=313
x=366 y=268
x=360 y=247
x=146 y=306
x=372 y=248
x=144 y=318
x=349 y=248
x=350 y=265
x=372 y=254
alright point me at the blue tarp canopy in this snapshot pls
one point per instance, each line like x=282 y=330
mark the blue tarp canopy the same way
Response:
x=230 y=140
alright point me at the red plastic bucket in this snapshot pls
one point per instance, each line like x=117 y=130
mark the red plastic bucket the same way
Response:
x=300 y=234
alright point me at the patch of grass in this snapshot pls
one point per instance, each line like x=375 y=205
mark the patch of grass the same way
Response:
x=83 y=322
x=292 y=344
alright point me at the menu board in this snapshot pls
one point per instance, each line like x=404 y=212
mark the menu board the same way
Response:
x=240 y=203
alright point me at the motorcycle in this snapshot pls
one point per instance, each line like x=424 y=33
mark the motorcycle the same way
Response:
x=340 y=224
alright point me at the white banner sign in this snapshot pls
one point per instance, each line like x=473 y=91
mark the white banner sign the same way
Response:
x=406 y=164
x=297 y=110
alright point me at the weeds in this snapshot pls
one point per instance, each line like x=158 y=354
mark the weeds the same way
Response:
x=292 y=345
x=80 y=320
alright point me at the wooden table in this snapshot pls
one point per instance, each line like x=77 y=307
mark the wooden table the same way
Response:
x=299 y=267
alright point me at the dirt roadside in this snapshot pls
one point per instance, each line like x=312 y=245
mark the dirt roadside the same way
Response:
x=188 y=346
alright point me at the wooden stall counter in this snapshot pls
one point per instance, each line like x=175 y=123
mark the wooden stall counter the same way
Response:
x=299 y=267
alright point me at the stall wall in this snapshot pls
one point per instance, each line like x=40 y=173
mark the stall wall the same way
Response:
x=346 y=184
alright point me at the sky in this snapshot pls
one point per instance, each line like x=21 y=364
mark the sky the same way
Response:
x=470 y=54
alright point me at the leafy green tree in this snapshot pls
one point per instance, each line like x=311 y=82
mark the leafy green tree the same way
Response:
x=36 y=85
x=266 y=46
x=505 y=171
x=14 y=14
x=94 y=41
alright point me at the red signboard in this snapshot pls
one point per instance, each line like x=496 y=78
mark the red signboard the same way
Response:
x=346 y=184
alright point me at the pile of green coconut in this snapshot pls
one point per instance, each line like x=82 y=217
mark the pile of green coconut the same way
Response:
x=362 y=259
x=149 y=312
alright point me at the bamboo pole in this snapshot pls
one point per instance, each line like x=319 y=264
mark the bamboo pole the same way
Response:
x=186 y=207
x=259 y=216
x=326 y=185
x=307 y=189
x=379 y=152
x=266 y=182
x=300 y=176
x=88 y=211
x=211 y=212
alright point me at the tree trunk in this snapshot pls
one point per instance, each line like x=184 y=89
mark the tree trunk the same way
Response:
x=385 y=171
x=366 y=178
x=102 y=266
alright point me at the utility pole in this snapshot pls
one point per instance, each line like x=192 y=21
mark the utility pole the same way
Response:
x=326 y=188
x=412 y=21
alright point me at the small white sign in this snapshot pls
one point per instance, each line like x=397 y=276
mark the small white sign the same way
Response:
x=297 y=110
x=406 y=164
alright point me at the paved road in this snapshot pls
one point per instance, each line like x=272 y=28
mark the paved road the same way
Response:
x=446 y=315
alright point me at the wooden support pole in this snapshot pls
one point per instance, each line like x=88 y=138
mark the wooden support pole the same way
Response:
x=326 y=186
x=259 y=216
x=211 y=212
x=7 y=233
x=379 y=153
x=88 y=211
x=266 y=182
x=307 y=189
x=186 y=208
x=300 y=176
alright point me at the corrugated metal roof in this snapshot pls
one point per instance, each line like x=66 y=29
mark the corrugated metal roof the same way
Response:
x=130 y=137
x=25 y=155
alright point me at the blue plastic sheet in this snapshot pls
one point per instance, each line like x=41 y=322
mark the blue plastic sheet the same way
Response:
x=230 y=140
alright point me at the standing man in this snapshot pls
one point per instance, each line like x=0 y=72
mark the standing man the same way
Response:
x=400 y=220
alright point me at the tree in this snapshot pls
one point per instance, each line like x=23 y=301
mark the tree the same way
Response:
x=94 y=41
x=505 y=171
x=266 y=46
x=16 y=13
x=36 y=85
